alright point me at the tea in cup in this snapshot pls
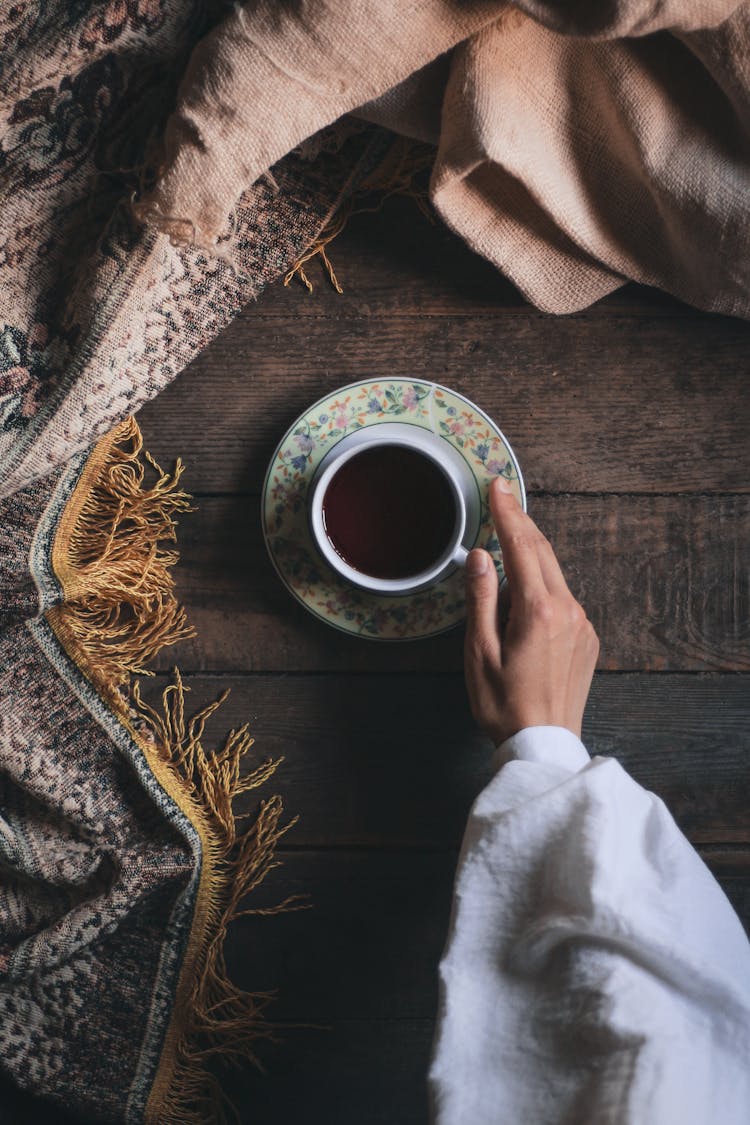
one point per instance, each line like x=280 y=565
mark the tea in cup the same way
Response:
x=393 y=508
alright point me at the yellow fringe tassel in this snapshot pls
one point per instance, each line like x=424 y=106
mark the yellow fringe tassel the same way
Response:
x=118 y=611
x=219 y=1018
x=395 y=175
x=119 y=607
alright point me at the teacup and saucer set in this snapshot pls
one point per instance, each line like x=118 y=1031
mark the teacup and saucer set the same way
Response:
x=373 y=499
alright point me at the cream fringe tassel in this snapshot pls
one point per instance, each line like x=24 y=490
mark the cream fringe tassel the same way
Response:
x=119 y=610
x=395 y=175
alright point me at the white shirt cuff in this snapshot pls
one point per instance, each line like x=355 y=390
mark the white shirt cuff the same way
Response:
x=548 y=745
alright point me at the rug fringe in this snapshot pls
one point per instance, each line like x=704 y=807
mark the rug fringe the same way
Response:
x=118 y=611
x=221 y=1019
x=396 y=174
x=119 y=606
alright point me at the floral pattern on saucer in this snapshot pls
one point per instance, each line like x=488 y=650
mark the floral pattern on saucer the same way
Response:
x=290 y=545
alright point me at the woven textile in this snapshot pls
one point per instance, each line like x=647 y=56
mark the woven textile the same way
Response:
x=120 y=865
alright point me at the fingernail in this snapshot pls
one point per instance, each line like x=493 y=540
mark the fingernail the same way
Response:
x=502 y=484
x=476 y=563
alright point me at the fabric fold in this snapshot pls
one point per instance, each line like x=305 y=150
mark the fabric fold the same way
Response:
x=270 y=76
x=577 y=147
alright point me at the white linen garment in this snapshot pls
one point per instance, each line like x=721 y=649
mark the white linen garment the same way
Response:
x=594 y=973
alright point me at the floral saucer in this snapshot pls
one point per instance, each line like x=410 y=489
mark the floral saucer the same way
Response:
x=284 y=504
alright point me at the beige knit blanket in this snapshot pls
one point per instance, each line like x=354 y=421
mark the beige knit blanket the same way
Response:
x=578 y=144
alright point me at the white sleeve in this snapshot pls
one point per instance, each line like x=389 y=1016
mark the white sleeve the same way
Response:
x=594 y=972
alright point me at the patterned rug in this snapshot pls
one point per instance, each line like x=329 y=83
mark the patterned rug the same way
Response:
x=120 y=862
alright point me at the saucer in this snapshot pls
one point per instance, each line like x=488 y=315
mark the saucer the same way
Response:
x=284 y=503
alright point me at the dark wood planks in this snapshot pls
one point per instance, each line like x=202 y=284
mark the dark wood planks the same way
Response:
x=588 y=405
x=370 y=943
x=663 y=578
x=367 y=948
x=396 y=762
x=638 y=393
x=351 y=1071
x=362 y=965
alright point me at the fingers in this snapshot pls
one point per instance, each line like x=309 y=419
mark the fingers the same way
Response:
x=518 y=537
x=554 y=579
x=482 y=646
x=520 y=540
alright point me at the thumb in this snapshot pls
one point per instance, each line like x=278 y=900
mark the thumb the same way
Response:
x=482 y=646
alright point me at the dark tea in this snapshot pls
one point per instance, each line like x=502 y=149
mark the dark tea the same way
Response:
x=389 y=512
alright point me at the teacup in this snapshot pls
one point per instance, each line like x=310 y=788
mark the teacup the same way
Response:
x=394 y=508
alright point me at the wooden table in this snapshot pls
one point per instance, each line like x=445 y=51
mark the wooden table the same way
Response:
x=631 y=424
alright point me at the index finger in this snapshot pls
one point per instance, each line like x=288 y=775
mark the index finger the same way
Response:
x=519 y=536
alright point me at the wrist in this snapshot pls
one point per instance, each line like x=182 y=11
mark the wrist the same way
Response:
x=544 y=743
x=510 y=725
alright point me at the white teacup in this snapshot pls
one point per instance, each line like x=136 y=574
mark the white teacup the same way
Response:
x=460 y=479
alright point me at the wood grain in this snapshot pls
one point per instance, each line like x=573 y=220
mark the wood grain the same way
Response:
x=370 y=944
x=637 y=395
x=663 y=578
x=397 y=762
x=588 y=406
x=350 y=1072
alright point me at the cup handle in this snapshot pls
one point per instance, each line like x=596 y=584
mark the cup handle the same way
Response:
x=460 y=555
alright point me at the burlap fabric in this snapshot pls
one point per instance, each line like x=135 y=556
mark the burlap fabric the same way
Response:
x=578 y=145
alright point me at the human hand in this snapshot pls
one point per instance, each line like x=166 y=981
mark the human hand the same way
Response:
x=540 y=672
